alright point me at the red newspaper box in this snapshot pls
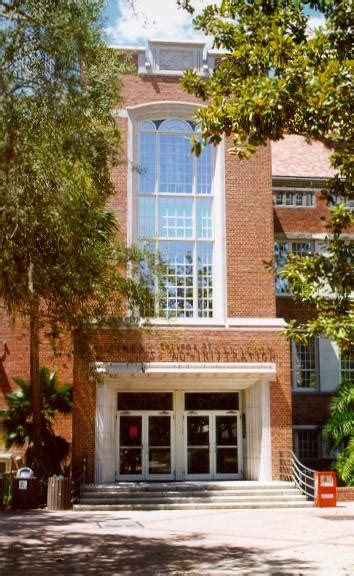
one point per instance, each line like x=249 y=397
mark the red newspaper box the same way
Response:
x=325 y=489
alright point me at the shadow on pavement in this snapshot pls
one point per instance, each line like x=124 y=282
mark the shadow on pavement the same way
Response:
x=35 y=545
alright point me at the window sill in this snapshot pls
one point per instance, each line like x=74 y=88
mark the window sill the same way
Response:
x=182 y=322
x=306 y=390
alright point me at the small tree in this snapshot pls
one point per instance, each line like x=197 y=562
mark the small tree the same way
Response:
x=18 y=420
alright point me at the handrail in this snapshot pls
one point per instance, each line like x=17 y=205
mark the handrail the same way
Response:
x=76 y=482
x=303 y=477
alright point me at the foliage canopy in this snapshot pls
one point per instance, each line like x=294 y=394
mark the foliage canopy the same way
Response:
x=58 y=142
x=60 y=261
x=277 y=77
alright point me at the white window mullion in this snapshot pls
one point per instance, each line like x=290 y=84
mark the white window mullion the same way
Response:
x=157 y=222
x=194 y=216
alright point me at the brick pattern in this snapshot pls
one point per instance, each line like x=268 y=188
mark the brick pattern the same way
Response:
x=249 y=235
x=302 y=220
x=303 y=408
x=345 y=494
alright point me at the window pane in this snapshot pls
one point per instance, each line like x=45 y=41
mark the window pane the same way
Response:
x=175 y=218
x=176 y=299
x=281 y=251
x=347 y=368
x=145 y=401
x=280 y=258
x=226 y=430
x=198 y=429
x=305 y=365
x=148 y=126
x=226 y=461
x=176 y=164
x=307 y=444
x=175 y=126
x=160 y=431
x=205 y=279
x=204 y=219
x=301 y=248
x=211 y=401
x=146 y=225
x=204 y=171
x=147 y=165
x=130 y=431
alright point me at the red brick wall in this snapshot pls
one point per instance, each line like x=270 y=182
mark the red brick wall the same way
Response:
x=306 y=220
x=140 y=89
x=249 y=234
x=16 y=362
x=345 y=493
x=310 y=408
x=155 y=345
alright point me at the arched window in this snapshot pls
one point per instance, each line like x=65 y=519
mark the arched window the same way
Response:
x=175 y=216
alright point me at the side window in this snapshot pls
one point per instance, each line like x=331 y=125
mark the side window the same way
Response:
x=307 y=443
x=305 y=366
x=347 y=368
x=282 y=249
x=293 y=198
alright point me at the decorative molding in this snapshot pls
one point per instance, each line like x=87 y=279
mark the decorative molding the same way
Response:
x=174 y=58
x=187 y=367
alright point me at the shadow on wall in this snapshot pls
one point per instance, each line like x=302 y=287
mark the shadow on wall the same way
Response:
x=5 y=387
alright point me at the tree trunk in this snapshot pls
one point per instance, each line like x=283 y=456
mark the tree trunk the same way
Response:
x=35 y=386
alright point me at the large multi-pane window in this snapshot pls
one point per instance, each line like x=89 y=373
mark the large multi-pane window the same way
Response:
x=281 y=251
x=305 y=365
x=175 y=216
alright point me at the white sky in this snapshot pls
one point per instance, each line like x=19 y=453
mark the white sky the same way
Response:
x=133 y=22
x=152 y=19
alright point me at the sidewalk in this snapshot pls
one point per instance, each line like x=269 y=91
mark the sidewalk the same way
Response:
x=274 y=542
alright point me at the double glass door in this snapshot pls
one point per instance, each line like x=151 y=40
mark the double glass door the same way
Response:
x=145 y=446
x=212 y=445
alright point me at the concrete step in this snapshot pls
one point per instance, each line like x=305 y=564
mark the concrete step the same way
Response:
x=165 y=499
x=196 y=494
x=188 y=486
x=193 y=506
x=189 y=496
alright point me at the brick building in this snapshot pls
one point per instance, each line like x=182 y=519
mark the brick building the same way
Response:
x=208 y=389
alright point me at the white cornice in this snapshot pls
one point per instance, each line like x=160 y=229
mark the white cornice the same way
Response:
x=184 y=375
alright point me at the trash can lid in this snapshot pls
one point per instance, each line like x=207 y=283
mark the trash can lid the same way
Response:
x=25 y=473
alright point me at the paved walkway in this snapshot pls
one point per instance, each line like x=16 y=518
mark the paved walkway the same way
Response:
x=275 y=542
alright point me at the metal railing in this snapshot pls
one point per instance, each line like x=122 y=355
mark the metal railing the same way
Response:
x=77 y=480
x=291 y=469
